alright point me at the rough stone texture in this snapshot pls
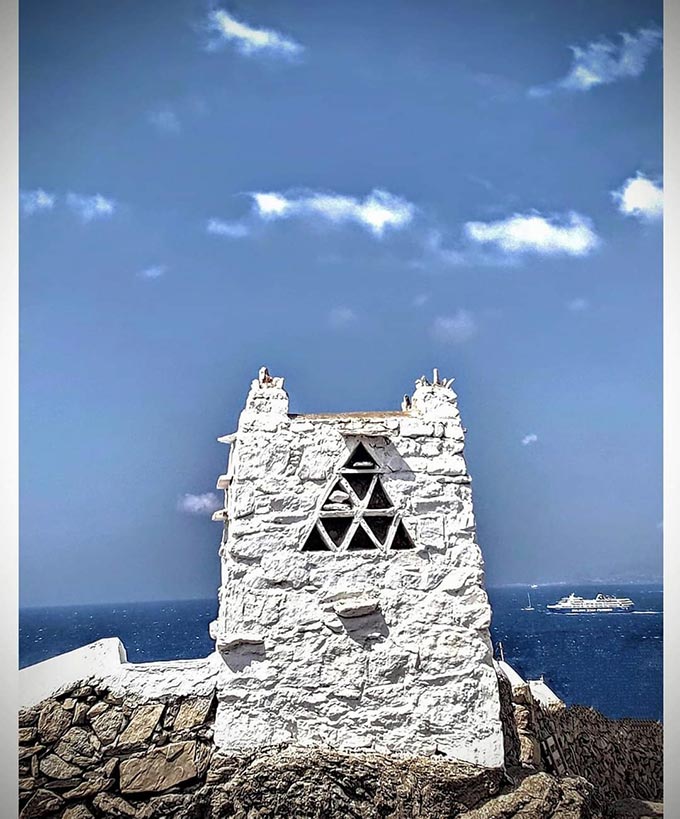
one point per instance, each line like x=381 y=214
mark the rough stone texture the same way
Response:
x=380 y=648
x=160 y=769
x=54 y=721
x=141 y=725
x=178 y=772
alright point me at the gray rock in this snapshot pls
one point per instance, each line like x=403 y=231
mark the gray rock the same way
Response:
x=107 y=724
x=113 y=806
x=79 y=747
x=141 y=726
x=27 y=735
x=89 y=787
x=42 y=803
x=56 y=768
x=96 y=709
x=159 y=769
x=192 y=713
x=76 y=812
x=54 y=721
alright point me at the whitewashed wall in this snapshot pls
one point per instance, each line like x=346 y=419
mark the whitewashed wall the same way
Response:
x=383 y=650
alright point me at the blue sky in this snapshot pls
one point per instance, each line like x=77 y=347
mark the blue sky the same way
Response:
x=351 y=193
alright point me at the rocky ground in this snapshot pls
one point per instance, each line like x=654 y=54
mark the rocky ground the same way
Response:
x=88 y=753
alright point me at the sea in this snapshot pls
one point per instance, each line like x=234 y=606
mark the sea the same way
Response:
x=611 y=662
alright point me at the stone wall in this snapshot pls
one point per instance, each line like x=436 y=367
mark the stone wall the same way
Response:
x=380 y=643
x=87 y=752
x=622 y=758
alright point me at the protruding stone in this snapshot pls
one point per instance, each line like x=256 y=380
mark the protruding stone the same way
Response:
x=107 y=725
x=56 y=768
x=79 y=747
x=159 y=770
x=42 y=803
x=114 y=806
x=141 y=725
x=192 y=712
x=76 y=812
x=54 y=721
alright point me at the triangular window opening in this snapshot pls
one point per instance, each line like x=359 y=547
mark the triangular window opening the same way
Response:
x=360 y=459
x=357 y=513
x=379 y=525
x=315 y=543
x=402 y=539
x=338 y=498
x=336 y=528
x=360 y=484
x=360 y=541
x=379 y=499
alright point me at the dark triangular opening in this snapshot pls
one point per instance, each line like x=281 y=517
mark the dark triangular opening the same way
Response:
x=336 y=528
x=379 y=499
x=379 y=525
x=315 y=543
x=359 y=483
x=360 y=540
x=360 y=459
x=338 y=496
x=401 y=539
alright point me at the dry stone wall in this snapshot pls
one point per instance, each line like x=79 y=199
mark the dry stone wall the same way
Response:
x=89 y=753
x=352 y=607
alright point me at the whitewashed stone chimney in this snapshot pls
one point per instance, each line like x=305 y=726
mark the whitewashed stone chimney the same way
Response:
x=352 y=610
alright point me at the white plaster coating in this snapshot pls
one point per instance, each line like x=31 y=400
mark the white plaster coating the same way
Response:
x=543 y=694
x=382 y=649
x=379 y=649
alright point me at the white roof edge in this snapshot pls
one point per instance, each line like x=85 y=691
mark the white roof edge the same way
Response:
x=96 y=660
x=514 y=678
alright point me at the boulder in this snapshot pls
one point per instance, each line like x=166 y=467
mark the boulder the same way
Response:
x=159 y=769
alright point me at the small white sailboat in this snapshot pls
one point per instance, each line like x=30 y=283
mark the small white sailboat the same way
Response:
x=529 y=607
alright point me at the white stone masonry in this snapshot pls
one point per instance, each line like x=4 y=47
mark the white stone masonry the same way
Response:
x=352 y=607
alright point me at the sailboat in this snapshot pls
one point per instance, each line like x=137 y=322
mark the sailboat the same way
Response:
x=529 y=607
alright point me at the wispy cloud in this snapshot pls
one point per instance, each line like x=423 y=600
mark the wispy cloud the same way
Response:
x=204 y=504
x=602 y=62
x=154 y=272
x=457 y=328
x=529 y=439
x=377 y=212
x=91 y=207
x=571 y=234
x=341 y=317
x=165 y=120
x=639 y=196
x=578 y=305
x=233 y=230
x=251 y=41
x=37 y=200
x=421 y=299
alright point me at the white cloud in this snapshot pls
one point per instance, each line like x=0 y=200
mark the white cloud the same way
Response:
x=578 y=305
x=204 y=504
x=154 y=272
x=457 y=328
x=341 y=317
x=529 y=439
x=34 y=201
x=377 y=212
x=234 y=230
x=91 y=207
x=165 y=120
x=640 y=197
x=421 y=299
x=251 y=41
x=602 y=62
x=570 y=234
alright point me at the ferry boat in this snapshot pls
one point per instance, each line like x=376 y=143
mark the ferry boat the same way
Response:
x=601 y=604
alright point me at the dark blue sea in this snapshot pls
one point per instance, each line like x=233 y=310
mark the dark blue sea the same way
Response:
x=612 y=662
